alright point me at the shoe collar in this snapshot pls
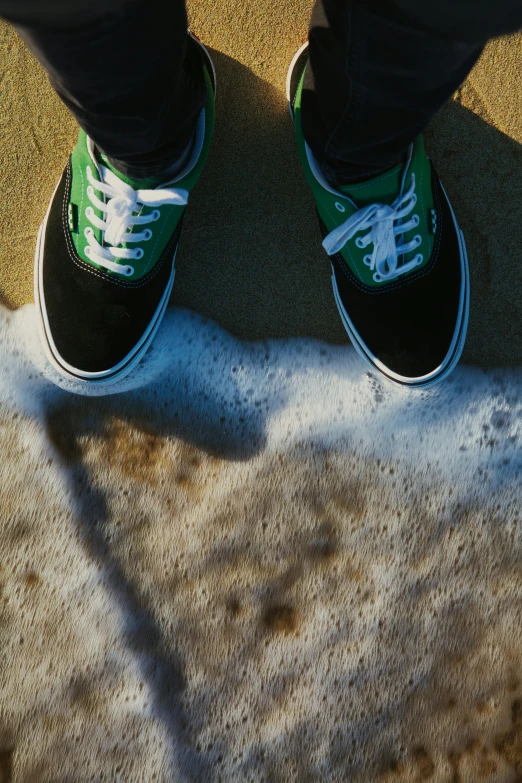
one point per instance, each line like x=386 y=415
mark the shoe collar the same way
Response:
x=323 y=182
x=195 y=154
x=193 y=158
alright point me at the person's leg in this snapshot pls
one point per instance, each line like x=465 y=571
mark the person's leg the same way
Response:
x=380 y=70
x=125 y=75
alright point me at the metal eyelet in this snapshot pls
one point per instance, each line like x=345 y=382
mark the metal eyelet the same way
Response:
x=340 y=207
x=139 y=252
x=359 y=242
x=418 y=239
x=148 y=232
x=88 y=232
x=156 y=214
x=128 y=271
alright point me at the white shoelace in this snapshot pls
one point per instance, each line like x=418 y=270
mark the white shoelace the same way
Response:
x=380 y=219
x=120 y=210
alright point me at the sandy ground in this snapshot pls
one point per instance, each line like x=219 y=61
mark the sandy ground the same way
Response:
x=250 y=257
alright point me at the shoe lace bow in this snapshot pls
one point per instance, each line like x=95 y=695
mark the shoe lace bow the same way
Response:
x=384 y=225
x=121 y=209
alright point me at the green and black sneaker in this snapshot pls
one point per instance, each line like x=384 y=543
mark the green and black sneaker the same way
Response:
x=399 y=265
x=104 y=264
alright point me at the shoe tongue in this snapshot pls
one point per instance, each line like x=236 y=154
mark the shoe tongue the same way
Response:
x=382 y=189
x=137 y=184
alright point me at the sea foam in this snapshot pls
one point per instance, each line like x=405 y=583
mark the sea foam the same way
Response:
x=258 y=562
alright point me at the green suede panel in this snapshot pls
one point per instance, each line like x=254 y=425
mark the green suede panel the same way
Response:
x=80 y=162
x=382 y=189
x=163 y=228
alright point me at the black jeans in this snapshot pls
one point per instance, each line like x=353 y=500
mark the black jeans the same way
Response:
x=123 y=73
x=380 y=69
